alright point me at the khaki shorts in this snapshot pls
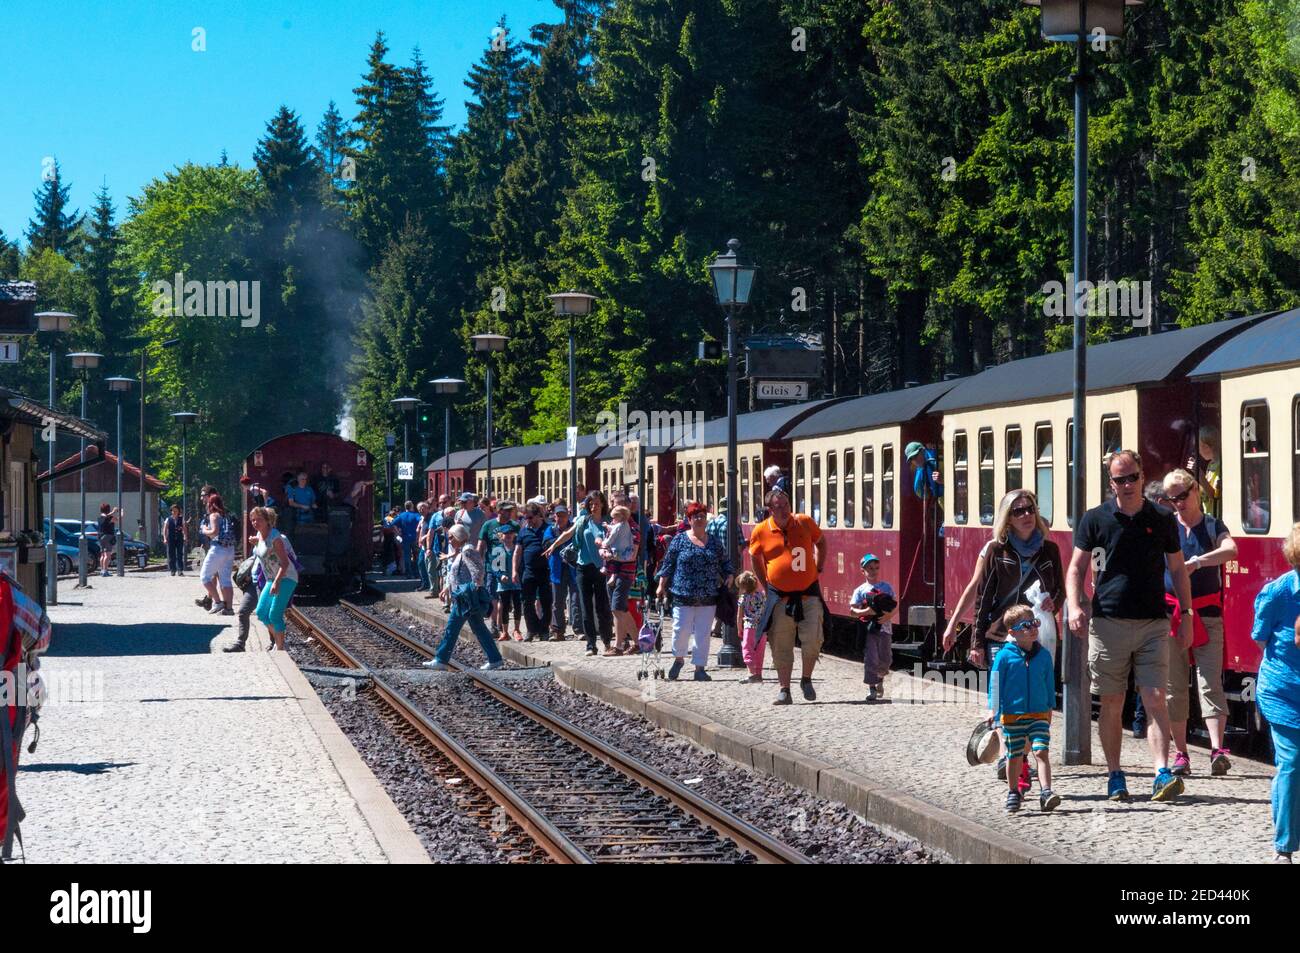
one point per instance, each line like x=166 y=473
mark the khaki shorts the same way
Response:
x=781 y=633
x=1209 y=674
x=1119 y=646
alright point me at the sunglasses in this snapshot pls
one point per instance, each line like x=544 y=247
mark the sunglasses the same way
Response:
x=1023 y=511
x=1179 y=498
x=1027 y=624
x=1126 y=480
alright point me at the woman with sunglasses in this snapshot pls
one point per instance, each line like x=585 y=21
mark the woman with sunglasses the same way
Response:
x=1206 y=547
x=588 y=534
x=692 y=570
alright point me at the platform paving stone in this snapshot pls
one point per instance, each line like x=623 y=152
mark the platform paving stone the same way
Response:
x=158 y=747
x=905 y=761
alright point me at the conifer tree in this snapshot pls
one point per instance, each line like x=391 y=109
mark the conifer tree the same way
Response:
x=53 y=227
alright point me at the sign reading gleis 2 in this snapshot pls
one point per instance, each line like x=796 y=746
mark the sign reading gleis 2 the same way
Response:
x=781 y=390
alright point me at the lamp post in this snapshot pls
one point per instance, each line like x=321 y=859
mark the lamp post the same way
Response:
x=1079 y=22
x=405 y=405
x=120 y=386
x=83 y=362
x=390 y=441
x=184 y=418
x=55 y=323
x=448 y=387
x=732 y=282
x=144 y=379
x=487 y=345
x=572 y=304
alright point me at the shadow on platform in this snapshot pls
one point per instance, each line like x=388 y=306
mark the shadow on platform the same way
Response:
x=93 y=767
x=88 y=639
x=220 y=698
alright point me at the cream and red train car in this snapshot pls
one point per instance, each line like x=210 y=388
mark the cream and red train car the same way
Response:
x=454 y=473
x=660 y=482
x=552 y=464
x=1257 y=374
x=848 y=473
x=1011 y=426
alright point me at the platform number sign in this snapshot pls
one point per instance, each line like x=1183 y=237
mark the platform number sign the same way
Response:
x=8 y=352
x=406 y=470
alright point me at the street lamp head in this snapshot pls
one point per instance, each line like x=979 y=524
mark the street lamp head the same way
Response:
x=489 y=342
x=1102 y=19
x=120 y=385
x=390 y=440
x=55 y=321
x=572 y=303
x=85 y=360
x=447 y=385
x=185 y=417
x=732 y=278
x=404 y=404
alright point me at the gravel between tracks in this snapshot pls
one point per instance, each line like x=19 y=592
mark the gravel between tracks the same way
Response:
x=823 y=830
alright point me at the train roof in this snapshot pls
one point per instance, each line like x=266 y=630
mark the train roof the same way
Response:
x=873 y=410
x=774 y=423
x=1128 y=362
x=588 y=445
x=1271 y=342
x=304 y=433
x=514 y=456
x=459 y=460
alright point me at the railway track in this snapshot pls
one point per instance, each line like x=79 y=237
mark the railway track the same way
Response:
x=577 y=798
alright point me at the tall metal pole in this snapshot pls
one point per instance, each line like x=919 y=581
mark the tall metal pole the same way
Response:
x=730 y=654
x=406 y=454
x=573 y=421
x=487 y=486
x=83 y=550
x=185 y=495
x=446 y=448
x=143 y=522
x=121 y=547
x=1077 y=700
x=51 y=547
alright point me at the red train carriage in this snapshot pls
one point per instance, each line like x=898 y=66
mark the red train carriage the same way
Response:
x=850 y=475
x=453 y=474
x=336 y=550
x=660 y=480
x=1257 y=374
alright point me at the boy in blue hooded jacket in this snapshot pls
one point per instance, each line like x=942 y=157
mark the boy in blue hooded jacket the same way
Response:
x=1022 y=694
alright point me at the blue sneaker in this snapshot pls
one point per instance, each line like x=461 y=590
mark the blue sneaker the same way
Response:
x=1117 y=787
x=1166 y=786
x=675 y=669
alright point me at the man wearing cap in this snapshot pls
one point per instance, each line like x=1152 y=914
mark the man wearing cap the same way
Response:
x=870 y=605
x=788 y=551
x=925 y=471
x=470 y=516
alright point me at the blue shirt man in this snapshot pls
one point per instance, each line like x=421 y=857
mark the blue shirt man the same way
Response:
x=925 y=471
x=408 y=524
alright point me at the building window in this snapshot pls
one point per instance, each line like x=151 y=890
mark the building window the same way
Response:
x=850 y=489
x=816 y=488
x=960 y=477
x=887 y=486
x=832 y=489
x=1043 y=485
x=1256 y=500
x=868 y=487
x=1015 y=468
x=799 y=496
x=1112 y=441
x=986 y=476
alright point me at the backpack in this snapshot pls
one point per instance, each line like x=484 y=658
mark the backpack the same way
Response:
x=226 y=532
x=31 y=637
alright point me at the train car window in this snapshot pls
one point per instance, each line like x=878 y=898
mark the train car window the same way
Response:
x=708 y=476
x=986 y=476
x=1015 y=468
x=648 y=507
x=850 y=489
x=799 y=496
x=816 y=480
x=887 y=486
x=1069 y=471
x=681 y=480
x=1043 y=470
x=868 y=487
x=1256 y=499
x=960 y=477
x=1112 y=440
x=743 y=509
x=1295 y=460
x=832 y=489
x=699 y=479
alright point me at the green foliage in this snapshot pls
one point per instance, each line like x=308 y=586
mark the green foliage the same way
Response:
x=53 y=227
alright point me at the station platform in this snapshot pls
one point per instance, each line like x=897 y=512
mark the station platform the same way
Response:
x=903 y=764
x=156 y=747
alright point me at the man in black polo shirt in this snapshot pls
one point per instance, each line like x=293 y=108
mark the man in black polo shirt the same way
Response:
x=532 y=572
x=1129 y=543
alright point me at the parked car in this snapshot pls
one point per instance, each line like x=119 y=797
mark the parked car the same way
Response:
x=67 y=546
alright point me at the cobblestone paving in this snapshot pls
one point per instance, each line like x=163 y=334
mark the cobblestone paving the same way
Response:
x=919 y=748
x=157 y=747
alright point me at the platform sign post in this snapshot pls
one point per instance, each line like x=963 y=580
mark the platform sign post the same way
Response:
x=8 y=352
x=405 y=470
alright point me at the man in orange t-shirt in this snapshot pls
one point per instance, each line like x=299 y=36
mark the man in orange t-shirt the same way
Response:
x=788 y=550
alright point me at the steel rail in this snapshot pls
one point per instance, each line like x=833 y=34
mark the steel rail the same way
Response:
x=546 y=835
x=763 y=846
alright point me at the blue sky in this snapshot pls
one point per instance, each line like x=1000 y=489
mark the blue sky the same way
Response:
x=113 y=89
